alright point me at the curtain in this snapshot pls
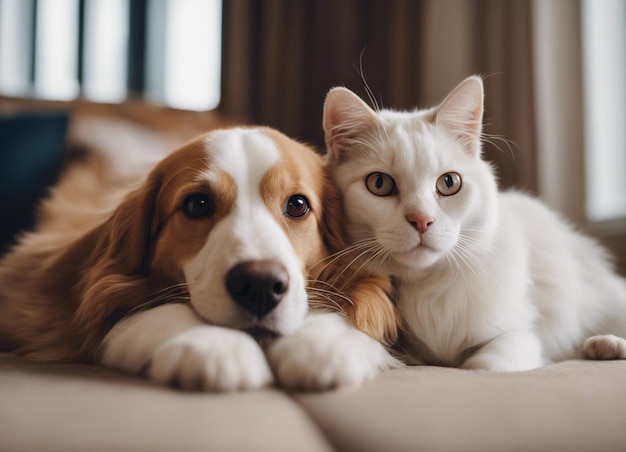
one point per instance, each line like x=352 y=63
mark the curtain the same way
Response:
x=280 y=58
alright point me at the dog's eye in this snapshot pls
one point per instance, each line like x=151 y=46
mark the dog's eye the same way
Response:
x=297 y=206
x=197 y=206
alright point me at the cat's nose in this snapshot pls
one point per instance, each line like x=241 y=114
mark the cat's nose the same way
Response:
x=420 y=221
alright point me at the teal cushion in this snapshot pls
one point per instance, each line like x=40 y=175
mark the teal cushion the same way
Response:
x=31 y=154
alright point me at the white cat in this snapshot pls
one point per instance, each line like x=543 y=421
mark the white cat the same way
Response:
x=485 y=280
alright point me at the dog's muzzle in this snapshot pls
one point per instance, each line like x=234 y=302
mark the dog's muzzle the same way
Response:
x=258 y=286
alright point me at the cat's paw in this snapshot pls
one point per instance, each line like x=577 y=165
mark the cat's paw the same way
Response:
x=497 y=363
x=510 y=352
x=606 y=346
x=211 y=359
x=326 y=353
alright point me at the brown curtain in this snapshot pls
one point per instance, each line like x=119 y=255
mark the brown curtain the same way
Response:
x=280 y=58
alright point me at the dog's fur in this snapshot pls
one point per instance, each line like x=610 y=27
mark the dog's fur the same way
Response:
x=126 y=277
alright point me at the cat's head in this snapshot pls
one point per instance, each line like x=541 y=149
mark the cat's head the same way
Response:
x=416 y=190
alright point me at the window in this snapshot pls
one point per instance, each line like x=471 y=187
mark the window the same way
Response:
x=184 y=53
x=56 y=53
x=106 y=53
x=604 y=77
x=62 y=49
x=15 y=44
x=580 y=81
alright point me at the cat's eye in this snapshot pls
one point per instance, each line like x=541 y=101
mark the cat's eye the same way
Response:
x=297 y=207
x=381 y=184
x=198 y=205
x=449 y=184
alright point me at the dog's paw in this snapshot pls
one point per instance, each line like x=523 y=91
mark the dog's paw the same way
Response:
x=326 y=353
x=211 y=359
x=605 y=346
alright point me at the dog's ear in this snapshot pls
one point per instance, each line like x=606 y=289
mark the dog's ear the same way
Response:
x=114 y=272
x=372 y=310
x=128 y=235
x=365 y=299
x=333 y=217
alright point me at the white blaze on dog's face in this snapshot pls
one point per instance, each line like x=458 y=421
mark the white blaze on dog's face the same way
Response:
x=240 y=211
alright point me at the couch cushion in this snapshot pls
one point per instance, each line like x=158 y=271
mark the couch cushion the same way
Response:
x=31 y=153
x=62 y=407
x=573 y=406
x=569 y=406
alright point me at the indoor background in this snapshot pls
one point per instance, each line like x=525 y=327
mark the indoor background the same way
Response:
x=554 y=71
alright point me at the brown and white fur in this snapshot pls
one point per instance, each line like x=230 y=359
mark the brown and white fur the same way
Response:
x=176 y=277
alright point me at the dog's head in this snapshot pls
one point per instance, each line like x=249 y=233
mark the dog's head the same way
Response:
x=236 y=219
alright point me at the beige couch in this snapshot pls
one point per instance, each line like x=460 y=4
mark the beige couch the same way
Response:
x=569 y=406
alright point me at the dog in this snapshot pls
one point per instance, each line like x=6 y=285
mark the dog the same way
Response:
x=200 y=276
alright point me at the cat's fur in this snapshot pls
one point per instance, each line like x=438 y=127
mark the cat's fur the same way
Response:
x=485 y=279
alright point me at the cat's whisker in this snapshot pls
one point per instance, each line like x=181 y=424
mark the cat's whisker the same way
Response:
x=455 y=269
x=360 y=249
x=374 y=256
x=318 y=297
x=452 y=260
x=334 y=291
x=324 y=304
x=462 y=262
x=368 y=90
x=491 y=139
x=356 y=247
x=476 y=243
x=466 y=235
x=375 y=104
x=465 y=229
x=474 y=264
x=349 y=265
x=332 y=258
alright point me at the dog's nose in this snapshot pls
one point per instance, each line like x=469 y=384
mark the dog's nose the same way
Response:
x=258 y=286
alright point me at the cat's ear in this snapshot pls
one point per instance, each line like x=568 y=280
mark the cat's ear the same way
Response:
x=346 y=117
x=461 y=114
